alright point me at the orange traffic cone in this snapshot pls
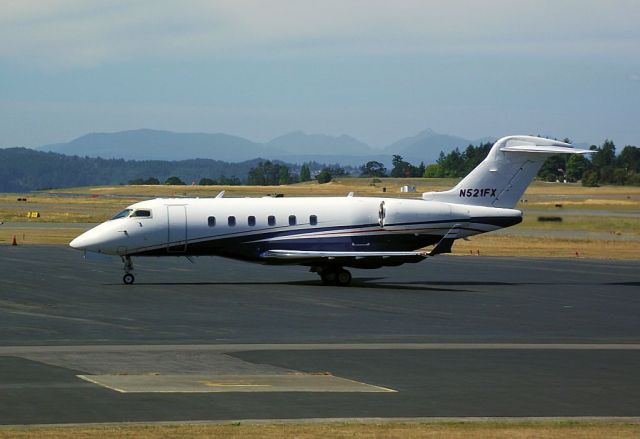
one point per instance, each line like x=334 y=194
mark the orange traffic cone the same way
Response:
x=14 y=240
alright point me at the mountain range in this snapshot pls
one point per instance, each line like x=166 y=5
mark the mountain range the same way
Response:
x=295 y=147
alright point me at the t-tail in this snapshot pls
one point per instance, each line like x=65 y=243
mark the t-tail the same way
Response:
x=506 y=172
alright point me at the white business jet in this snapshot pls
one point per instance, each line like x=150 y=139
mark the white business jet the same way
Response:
x=329 y=233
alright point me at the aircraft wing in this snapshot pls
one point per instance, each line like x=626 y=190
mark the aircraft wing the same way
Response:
x=392 y=258
x=307 y=254
x=346 y=259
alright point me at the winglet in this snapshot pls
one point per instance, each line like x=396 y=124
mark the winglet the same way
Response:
x=445 y=244
x=220 y=195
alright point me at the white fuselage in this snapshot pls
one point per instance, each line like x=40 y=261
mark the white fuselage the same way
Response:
x=246 y=227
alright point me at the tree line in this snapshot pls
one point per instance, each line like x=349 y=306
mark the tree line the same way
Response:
x=23 y=169
x=604 y=166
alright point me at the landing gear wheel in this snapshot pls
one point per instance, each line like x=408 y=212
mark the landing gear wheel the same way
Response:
x=343 y=278
x=128 y=277
x=328 y=277
x=335 y=277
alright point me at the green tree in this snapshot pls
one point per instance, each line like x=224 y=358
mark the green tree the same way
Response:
x=577 y=164
x=207 y=182
x=398 y=165
x=148 y=181
x=283 y=175
x=553 y=168
x=268 y=173
x=373 y=169
x=433 y=170
x=629 y=158
x=590 y=178
x=402 y=168
x=305 y=173
x=324 y=176
x=229 y=181
x=453 y=163
x=605 y=155
x=175 y=181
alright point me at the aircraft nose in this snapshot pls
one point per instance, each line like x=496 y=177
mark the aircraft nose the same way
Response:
x=91 y=240
x=79 y=243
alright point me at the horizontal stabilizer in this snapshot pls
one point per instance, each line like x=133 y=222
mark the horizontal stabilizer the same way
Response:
x=545 y=149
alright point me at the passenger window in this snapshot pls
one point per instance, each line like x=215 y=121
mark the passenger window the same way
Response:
x=292 y=220
x=232 y=221
x=142 y=213
x=212 y=221
x=271 y=220
x=313 y=220
x=251 y=220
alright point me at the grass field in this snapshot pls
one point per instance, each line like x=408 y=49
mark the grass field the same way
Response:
x=481 y=430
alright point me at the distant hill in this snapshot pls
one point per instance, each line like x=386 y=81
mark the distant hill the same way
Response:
x=147 y=144
x=300 y=143
x=23 y=170
x=295 y=147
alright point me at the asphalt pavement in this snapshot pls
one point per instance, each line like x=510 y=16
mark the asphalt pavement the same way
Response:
x=451 y=336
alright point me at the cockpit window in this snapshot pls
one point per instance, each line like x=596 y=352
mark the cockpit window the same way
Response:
x=125 y=213
x=142 y=213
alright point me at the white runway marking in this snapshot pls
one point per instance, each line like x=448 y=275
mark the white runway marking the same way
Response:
x=25 y=350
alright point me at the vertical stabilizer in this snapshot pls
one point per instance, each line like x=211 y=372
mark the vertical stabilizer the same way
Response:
x=503 y=176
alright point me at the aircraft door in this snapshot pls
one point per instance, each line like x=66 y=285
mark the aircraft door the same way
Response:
x=177 y=226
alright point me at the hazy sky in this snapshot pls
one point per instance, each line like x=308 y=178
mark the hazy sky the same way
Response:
x=377 y=70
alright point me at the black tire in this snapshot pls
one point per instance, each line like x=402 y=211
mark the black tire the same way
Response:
x=128 y=279
x=343 y=278
x=328 y=277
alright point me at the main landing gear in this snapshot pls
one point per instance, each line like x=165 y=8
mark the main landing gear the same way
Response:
x=128 y=277
x=335 y=276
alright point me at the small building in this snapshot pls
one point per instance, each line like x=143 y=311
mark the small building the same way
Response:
x=408 y=188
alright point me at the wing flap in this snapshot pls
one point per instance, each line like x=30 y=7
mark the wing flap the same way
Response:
x=308 y=254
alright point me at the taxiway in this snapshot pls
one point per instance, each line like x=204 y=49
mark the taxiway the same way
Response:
x=220 y=339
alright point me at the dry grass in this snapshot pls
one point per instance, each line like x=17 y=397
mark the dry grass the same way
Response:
x=342 y=186
x=539 y=195
x=338 y=187
x=543 y=188
x=627 y=226
x=520 y=430
x=527 y=246
x=44 y=235
x=60 y=209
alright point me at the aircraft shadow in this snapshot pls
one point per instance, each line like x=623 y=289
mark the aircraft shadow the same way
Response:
x=356 y=283
x=376 y=283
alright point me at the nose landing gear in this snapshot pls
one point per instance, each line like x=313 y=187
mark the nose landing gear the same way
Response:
x=128 y=277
